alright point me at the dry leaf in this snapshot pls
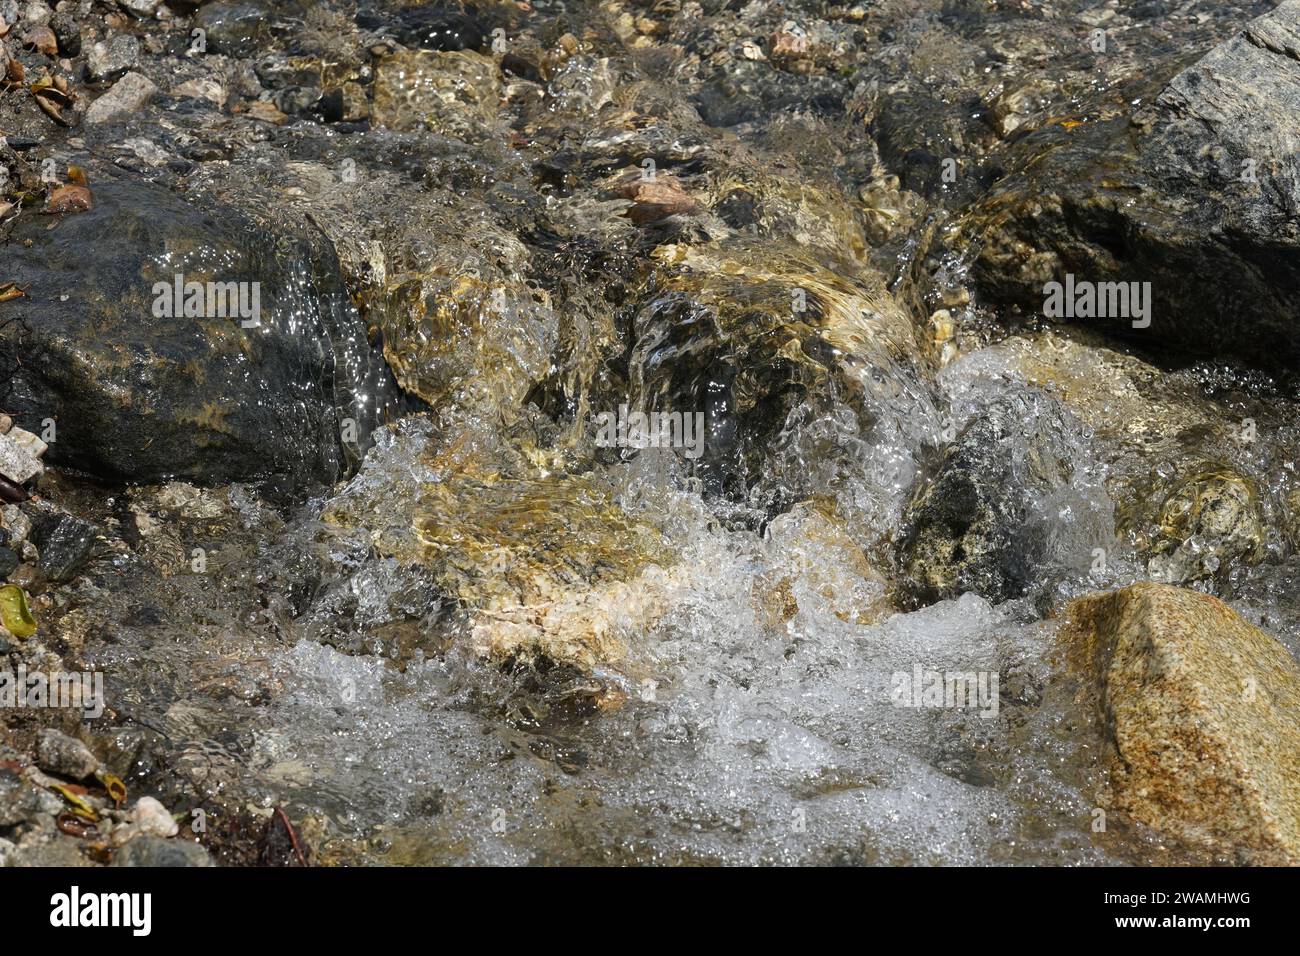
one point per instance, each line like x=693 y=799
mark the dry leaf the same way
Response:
x=42 y=40
x=265 y=112
x=116 y=789
x=80 y=807
x=68 y=199
x=655 y=198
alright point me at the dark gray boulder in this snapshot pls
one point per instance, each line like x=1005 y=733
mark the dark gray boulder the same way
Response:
x=140 y=396
x=1197 y=193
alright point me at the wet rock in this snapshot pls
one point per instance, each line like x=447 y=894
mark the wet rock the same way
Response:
x=109 y=59
x=66 y=756
x=144 y=392
x=1196 y=194
x=983 y=522
x=441 y=27
x=67 y=32
x=1204 y=713
x=9 y=562
x=1208 y=521
x=36 y=13
x=17 y=463
x=66 y=544
x=238 y=29
x=152 y=851
x=141 y=8
x=16 y=524
x=456 y=94
x=19 y=801
x=127 y=95
x=149 y=818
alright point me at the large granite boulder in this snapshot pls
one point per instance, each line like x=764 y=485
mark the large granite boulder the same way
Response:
x=1204 y=713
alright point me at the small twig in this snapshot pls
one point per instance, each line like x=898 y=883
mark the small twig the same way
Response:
x=293 y=836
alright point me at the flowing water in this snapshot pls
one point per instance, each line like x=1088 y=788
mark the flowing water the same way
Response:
x=755 y=719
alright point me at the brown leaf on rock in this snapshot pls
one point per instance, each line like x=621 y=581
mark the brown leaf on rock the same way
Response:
x=265 y=112
x=51 y=96
x=51 y=109
x=74 y=827
x=655 y=197
x=68 y=199
x=42 y=40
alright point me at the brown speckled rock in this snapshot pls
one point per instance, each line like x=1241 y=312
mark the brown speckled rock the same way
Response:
x=1204 y=713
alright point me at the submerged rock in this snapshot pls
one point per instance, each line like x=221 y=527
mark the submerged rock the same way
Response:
x=1208 y=520
x=234 y=28
x=815 y=566
x=142 y=388
x=1204 y=713
x=804 y=368
x=442 y=27
x=1199 y=465
x=526 y=565
x=987 y=522
x=456 y=94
